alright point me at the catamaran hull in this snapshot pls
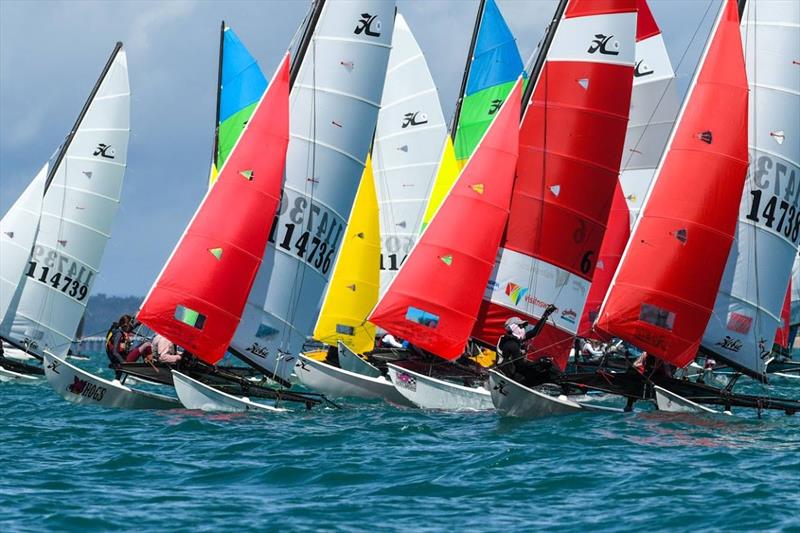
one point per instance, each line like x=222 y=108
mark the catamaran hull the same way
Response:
x=431 y=393
x=196 y=395
x=512 y=399
x=7 y=375
x=81 y=387
x=673 y=403
x=337 y=383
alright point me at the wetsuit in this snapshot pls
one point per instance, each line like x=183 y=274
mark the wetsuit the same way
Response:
x=515 y=364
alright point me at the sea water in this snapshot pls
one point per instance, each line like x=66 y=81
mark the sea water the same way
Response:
x=373 y=467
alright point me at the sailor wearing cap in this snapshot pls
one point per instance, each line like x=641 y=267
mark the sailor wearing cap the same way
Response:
x=511 y=347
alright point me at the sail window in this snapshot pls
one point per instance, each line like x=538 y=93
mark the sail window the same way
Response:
x=739 y=323
x=343 y=329
x=190 y=317
x=657 y=316
x=423 y=318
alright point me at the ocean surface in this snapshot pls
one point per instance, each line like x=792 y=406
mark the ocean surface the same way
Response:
x=370 y=466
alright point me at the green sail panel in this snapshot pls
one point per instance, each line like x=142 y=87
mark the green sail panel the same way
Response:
x=477 y=112
x=230 y=130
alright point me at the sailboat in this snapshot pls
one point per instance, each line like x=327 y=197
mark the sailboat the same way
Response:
x=751 y=297
x=662 y=295
x=53 y=237
x=581 y=82
x=434 y=299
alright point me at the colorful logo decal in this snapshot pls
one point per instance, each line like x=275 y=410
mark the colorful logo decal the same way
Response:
x=569 y=315
x=515 y=292
x=739 y=323
x=405 y=381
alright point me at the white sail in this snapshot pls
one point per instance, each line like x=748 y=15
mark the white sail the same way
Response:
x=409 y=141
x=18 y=229
x=80 y=202
x=333 y=110
x=654 y=106
x=747 y=312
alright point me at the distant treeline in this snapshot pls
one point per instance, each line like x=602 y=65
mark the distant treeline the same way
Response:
x=102 y=310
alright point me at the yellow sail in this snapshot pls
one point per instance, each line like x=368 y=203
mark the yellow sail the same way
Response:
x=212 y=177
x=449 y=170
x=354 y=285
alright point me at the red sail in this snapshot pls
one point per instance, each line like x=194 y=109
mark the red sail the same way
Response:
x=617 y=233
x=782 y=334
x=664 y=291
x=434 y=298
x=571 y=141
x=199 y=297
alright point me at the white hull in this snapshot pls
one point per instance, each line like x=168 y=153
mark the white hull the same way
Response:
x=672 y=403
x=350 y=361
x=196 y=395
x=9 y=375
x=336 y=382
x=431 y=393
x=81 y=387
x=15 y=354
x=512 y=399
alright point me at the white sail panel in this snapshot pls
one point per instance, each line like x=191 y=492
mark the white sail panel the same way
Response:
x=18 y=229
x=654 y=106
x=333 y=110
x=78 y=209
x=409 y=142
x=747 y=312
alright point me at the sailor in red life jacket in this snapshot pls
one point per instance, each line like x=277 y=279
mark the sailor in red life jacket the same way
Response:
x=512 y=348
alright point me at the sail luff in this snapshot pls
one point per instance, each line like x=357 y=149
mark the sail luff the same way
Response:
x=465 y=77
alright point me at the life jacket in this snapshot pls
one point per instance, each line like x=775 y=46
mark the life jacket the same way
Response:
x=110 y=341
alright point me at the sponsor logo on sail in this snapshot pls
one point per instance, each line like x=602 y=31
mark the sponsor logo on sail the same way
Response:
x=730 y=343
x=104 y=150
x=496 y=103
x=515 y=292
x=414 y=119
x=604 y=45
x=569 y=315
x=369 y=25
x=739 y=323
x=642 y=69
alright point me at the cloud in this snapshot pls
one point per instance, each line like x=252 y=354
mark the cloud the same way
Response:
x=156 y=16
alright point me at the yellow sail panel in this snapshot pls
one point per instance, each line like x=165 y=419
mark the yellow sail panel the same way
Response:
x=448 y=172
x=212 y=177
x=354 y=286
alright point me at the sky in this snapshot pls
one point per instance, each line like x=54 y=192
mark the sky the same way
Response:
x=51 y=53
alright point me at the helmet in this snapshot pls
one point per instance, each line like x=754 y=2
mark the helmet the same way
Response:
x=515 y=320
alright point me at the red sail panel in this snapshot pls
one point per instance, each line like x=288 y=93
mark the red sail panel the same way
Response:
x=782 y=334
x=200 y=295
x=571 y=142
x=664 y=291
x=434 y=298
x=614 y=241
x=646 y=25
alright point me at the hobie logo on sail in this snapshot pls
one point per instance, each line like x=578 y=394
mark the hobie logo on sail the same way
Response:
x=414 y=119
x=515 y=292
x=104 y=150
x=642 y=69
x=729 y=343
x=496 y=103
x=369 y=25
x=604 y=45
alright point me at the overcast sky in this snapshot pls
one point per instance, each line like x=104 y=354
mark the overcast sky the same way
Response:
x=52 y=52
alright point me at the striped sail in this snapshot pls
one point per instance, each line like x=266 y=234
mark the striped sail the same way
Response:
x=409 y=143
x=353 y=290
x=241 y=85
x=571 y=141
x=333 y=109
x=80 y=202
x=654 y=105
x=747 y=312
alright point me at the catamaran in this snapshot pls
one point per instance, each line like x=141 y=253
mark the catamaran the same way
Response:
x=52 y=239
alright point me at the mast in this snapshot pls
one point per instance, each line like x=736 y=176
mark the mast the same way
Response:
x=305 y=41
x=215 y=153
x=740 y=5
x=62 y=152
x=470 y=54
x=542 y=56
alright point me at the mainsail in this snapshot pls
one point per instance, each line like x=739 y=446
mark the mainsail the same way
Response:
x=747 y=311
x=571 y=141
x=409 y=143
x=333 y=109
x=433 y=300
x=240 y=86
x=81 y=196
x=663 y=292
x=199 y=296
x=355 y=283
x=654 y=105
x=493 y=63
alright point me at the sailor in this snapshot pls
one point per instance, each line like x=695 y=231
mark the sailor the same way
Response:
x=389 y=341
x=589 y=351
x=119 y=340
x=165 y=350
x=512 y=349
